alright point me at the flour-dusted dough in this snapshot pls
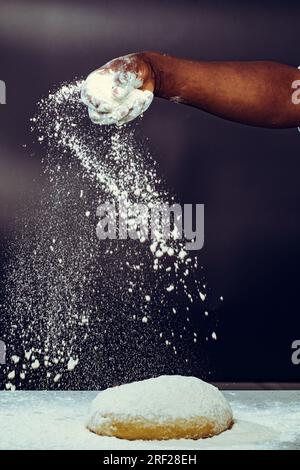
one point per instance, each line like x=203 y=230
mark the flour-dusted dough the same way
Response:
x=166 y=407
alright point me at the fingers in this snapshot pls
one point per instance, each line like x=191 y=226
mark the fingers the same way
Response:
x=123 y=78
x=123 y=84
x=98 y=105
x=100 y=118
x=123 y=113
x=108 y=118
x=148 y=98
x=139 y=106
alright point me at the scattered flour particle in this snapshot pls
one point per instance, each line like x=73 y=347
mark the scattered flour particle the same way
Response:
x=170 y=288
x=182 y=254
x=11 y=375
x=87 y=214
x=214 y=336
x=153 y=247
x=145 y=320
x=27 y=355
x=164 y=249
x=57 y=378
x=10 y=387
x=147 y=298
x=15 y=359
x=72 y=363
x=35 y=364
x=202 y=296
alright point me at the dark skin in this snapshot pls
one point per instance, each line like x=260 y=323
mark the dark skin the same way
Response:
x=253 y=93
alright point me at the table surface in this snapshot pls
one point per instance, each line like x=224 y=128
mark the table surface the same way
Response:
x=56 y=420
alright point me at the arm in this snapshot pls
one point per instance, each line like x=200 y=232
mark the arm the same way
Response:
x=254 y=93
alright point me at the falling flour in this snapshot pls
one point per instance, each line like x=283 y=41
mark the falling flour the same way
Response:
x=80 y=310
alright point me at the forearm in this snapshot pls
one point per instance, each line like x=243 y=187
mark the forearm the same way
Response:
x=254 y=93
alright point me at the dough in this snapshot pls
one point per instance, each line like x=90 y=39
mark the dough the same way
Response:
x=166 y=407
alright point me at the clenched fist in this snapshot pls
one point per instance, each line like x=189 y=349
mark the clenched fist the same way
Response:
x=119 y=91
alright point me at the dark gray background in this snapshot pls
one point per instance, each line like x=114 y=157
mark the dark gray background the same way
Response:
x=248 y=178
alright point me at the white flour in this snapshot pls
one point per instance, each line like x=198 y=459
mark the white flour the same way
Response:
x=51 y=420
x=162 y=399
x=56 y=309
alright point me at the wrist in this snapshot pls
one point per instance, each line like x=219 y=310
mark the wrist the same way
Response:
x=153 y=61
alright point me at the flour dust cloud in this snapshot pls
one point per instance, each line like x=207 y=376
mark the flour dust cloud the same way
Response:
x=84 y=313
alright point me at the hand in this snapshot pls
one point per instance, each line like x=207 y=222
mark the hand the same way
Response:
x=119 y=91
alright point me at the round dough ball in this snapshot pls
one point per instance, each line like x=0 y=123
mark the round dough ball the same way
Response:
x=166 y=407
